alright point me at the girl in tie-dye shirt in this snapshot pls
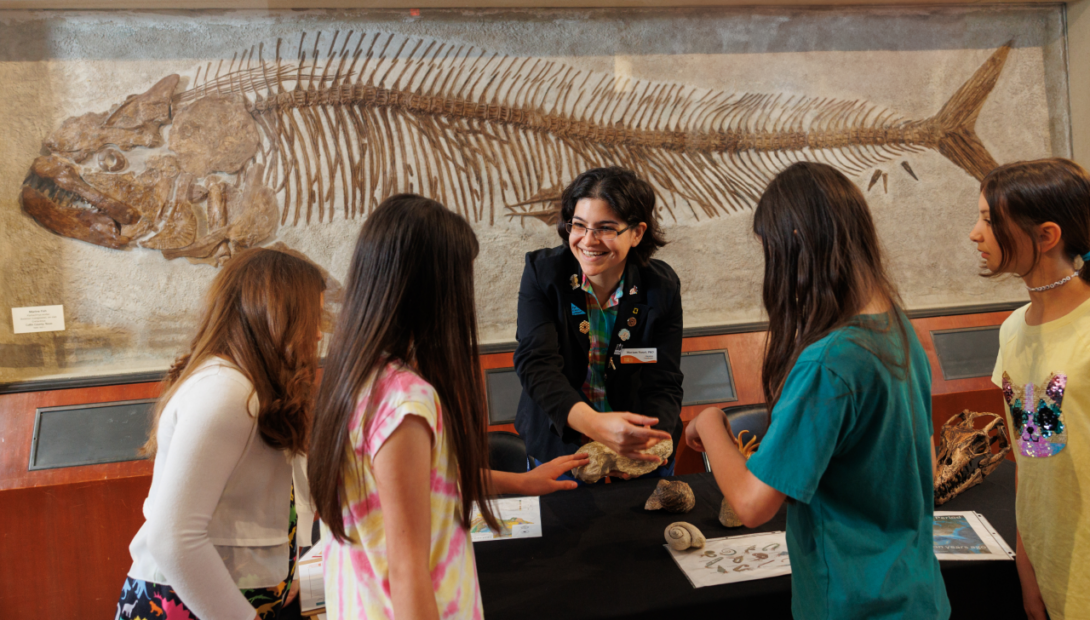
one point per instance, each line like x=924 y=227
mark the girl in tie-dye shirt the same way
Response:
x=398 y=446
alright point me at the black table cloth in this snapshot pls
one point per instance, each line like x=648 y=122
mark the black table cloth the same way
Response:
x=602 y=556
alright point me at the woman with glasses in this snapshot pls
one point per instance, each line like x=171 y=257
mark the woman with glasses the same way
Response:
x=582 y=304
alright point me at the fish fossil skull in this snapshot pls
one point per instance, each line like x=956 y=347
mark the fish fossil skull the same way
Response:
x=965 y=453
x=197 y=194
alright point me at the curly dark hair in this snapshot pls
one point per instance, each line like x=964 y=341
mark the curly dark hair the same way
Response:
x=630 y=197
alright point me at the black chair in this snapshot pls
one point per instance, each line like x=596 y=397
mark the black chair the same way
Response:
x=752 y=418
x=507 y=452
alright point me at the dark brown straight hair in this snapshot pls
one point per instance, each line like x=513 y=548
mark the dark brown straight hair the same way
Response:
x=822 y=263
x=1025 y=194
x=262 y=315
x=409 y=298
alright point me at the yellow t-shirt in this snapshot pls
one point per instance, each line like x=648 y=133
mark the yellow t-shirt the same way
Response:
x=1044 y=371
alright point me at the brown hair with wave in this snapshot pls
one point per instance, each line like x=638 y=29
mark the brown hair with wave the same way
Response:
x=261 y=314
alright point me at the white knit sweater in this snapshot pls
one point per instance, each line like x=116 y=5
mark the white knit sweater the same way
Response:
x=217 y=512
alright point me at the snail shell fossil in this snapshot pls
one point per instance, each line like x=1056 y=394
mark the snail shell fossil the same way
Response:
x=671 y=496
x=681 y=536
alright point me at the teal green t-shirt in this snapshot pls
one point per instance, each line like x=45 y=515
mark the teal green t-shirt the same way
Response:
x=850 y=441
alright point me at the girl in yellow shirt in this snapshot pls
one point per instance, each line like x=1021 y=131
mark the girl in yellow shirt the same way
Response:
x=1035 y=223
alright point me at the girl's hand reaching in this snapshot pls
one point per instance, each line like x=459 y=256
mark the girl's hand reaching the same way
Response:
x=543 y=480
x=540 y=480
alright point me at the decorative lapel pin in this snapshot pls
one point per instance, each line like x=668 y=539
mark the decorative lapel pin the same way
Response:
x=576 y=310
x=635 y=311
x=632 y=291
x=631 y=321
x=611 y=364
x=584 y=327
x=574 y=281
x=624 y=335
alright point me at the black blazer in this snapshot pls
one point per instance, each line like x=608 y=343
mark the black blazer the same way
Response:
x=551 y=358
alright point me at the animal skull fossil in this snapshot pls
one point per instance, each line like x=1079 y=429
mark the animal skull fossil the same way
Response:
x=965 y=454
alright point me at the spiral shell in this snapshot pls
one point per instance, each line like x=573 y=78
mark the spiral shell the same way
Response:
x=681 y=536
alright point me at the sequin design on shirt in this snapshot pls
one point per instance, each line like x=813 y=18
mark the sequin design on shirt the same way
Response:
x=1037 y=415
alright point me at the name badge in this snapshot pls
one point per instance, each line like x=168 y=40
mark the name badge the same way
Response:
x=639 y=356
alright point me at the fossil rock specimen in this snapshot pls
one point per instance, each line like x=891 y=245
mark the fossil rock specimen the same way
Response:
x=603 y=461
x=135 y=123
x=214 y=134
x=727 y=516
x=965 y=454
x=671 y=496
x=681 y=536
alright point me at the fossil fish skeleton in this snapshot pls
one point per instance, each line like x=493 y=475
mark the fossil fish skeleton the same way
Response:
x=221 y=164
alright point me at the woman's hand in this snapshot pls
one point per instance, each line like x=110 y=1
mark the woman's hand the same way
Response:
x=625 y=433
x=1032 y=601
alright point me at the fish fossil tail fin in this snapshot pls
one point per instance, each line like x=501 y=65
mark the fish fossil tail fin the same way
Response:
x=956 y=122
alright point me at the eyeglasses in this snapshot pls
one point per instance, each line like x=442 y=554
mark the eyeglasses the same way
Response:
x=602 y=234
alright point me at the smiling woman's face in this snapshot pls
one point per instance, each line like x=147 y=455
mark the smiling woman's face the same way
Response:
x=596 y=256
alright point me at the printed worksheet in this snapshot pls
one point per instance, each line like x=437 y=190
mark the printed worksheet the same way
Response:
x=968 y=536
x=310 y=573
x=734 y=559
x=520 y=517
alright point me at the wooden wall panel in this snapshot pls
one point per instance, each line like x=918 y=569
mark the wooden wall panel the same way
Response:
x=65 y=548
x=924 y=327
x=17 y=430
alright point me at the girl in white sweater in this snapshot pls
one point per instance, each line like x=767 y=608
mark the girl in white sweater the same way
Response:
x=218 y=540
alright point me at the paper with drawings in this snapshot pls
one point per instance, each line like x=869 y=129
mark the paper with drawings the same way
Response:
x=519 y=516
x=734 y=559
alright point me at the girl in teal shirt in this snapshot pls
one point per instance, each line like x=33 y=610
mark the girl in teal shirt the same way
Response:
x=849 y=388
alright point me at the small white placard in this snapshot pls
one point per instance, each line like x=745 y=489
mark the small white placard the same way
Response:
x=37 y=319
x=639 y=356
x=519 y=516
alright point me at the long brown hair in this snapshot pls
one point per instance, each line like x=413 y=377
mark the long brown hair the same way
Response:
x=1026 y=194
x=408 y=297
x=822 y=264
x=262 y=315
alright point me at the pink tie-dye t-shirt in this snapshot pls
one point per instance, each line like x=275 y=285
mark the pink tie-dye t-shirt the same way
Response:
x=357 y=579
